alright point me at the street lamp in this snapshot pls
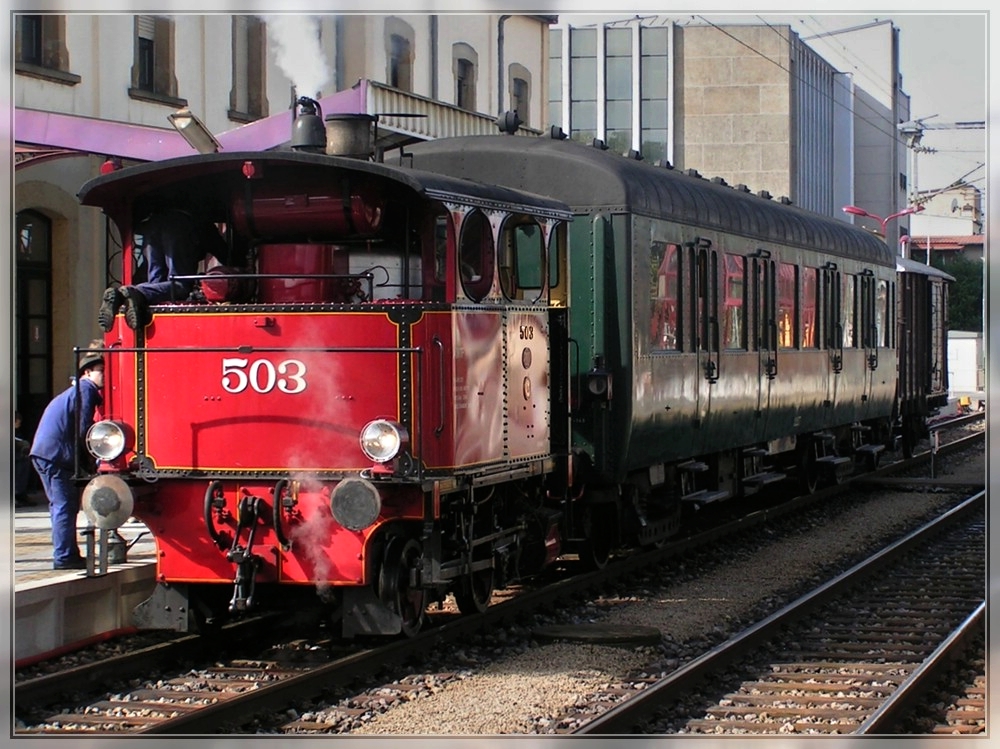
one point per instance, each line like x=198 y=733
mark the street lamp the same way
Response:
x=855 y=211
x=194 y=131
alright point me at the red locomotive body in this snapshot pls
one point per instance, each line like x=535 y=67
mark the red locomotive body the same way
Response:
x=325 y=413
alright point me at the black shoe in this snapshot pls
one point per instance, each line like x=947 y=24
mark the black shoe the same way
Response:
x=72 y=564
x=111 y=302
x=136 y=309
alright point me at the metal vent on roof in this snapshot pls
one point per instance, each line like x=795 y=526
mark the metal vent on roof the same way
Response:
x=785 y=200
x=598 y=143
x=719 y=181
x=764 y=194
x=692 y=173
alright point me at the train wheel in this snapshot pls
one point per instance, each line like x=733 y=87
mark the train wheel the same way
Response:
x=394 y=588
x=910 y=440
x=808 y=469
x=475 y=591
x=600 y=525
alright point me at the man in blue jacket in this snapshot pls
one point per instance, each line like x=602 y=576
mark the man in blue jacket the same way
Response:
x=54 y=453
x=174 y=243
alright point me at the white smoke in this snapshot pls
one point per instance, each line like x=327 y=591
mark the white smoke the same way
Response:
x=312 y=538
x=294 y=40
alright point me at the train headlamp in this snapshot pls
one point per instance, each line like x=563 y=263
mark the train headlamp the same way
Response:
x=381 y=440
x=106 y=440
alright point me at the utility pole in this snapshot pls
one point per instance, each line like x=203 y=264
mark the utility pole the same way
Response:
x=913 y=131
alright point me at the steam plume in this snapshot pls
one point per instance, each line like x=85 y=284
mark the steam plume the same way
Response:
x=294 y=40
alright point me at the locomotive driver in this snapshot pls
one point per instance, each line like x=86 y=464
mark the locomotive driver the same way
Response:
x=174 y=242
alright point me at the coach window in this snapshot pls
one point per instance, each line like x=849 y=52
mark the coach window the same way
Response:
x=831 y=322
x=809 y=310
x=734 y=322
x=847 y=310
x=872 y=311
x=522 y=260
x=476 y=256
x=706 y=297
x=664 y=296
x=787 y=287
x=881 y=313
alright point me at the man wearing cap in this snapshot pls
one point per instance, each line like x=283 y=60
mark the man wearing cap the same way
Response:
x=54 y=455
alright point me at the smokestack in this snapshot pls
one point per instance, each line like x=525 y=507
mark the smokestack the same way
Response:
x=308 y=133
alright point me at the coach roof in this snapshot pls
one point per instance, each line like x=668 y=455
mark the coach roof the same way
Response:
x=591 y=179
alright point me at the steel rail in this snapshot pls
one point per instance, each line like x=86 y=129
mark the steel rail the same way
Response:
x=625 y=717
x=908 y=694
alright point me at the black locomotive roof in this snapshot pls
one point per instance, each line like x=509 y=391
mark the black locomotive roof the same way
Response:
x=209 y=173
x=589 y=178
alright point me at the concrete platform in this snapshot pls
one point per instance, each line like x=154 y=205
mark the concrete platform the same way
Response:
x=57 y=610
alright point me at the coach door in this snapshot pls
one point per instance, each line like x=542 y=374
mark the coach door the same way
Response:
x=833 y=330
x=706 y=320
x=765 y=327
x=869 y=330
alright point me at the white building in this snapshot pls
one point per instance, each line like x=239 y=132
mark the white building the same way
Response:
x=90 y=87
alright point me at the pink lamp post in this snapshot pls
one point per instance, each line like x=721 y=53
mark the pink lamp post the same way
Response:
x=855 y=211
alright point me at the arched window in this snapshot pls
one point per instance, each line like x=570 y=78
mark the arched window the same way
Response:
x=248 y=97
x=465 y=66
x=523 y=260
x=519 y=85
x=475 y=256
x=33 y=310
x=399 y=54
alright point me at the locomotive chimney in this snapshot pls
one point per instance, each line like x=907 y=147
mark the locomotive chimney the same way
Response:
x=308 y=133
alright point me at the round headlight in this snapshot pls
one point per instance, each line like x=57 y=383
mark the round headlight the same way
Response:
x=381 y=440
x=106 y=440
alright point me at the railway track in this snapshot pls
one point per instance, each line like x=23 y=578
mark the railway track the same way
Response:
x=220 y=698
x=862 y=646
